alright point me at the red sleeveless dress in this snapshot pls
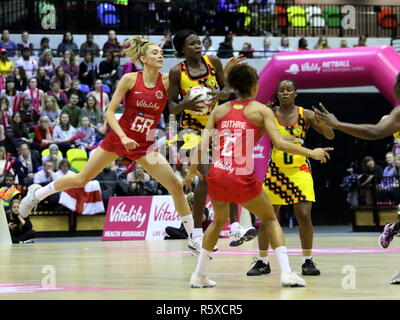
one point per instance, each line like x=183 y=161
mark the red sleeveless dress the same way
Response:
x=143 y=109
x=231 y=177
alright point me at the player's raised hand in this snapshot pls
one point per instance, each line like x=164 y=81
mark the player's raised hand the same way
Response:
x=321 y=154
x=193 y=103
x=129 y=143
x=322 y=114
x=232 y=61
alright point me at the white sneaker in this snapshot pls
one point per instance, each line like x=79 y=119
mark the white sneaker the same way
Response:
x=395 y=278
x=291 y=280
x=29 y=202
x=195 y=244
x=197 y=281
x=242 y=235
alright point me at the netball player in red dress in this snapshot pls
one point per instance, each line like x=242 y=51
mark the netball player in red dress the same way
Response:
x=145 y=96
x=231 y=177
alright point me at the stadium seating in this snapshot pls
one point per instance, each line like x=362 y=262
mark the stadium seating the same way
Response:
x=387 y=19
x=297 y=16
x=46 y=152
x=333 y=17
x=281 y=16
x=314 y=17
x=77 y=158
x=108 y=15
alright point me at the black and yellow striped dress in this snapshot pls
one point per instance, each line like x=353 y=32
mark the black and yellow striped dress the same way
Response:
x=288 y=179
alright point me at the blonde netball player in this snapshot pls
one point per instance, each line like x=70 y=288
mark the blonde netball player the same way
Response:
x=288 y=180
x=145 y=95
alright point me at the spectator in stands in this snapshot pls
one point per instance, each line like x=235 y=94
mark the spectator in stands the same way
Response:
x=166 y=44
x=17 y=134
x=208 y=49
x=362 y=42
x=46 y=61
x=6 y=163
x=322 y=43
x=44 y=46
x=43 y=134
x=50 y=109
x=112 y=43
x=21 y=229
x=101 y=97
x=285 y=46
x=60 y=96
x=87 y=142
x=90 y=46
x=388 y=171
x=29 y=116
x=8 y=192
x=67 y=44
x=265 y=51
x=108 y=183
x=75 y=88
x=92 y=112
x=129 y=66
x=43 y=80
x=63 y=134
x=73 y=110
x=29 y=64
x=137 y=179
x=120 y=169
x=53 y=156
x=343 y=43
x=6 y=66
x=11 y=94
x=25 y=44
x=25 y=165
x=64 y=167
x=247 y=51
x=108 y=69
x=46 y=175
x=5 y=112
x=303 y=44
x=88 y=70
x=225 y=49
x=10 y=46
x=63 y=77
x=21 y=81
x=36 y=95
x=69 y=64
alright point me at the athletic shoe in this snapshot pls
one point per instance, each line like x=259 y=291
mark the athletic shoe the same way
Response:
x=387 y=236
x=29 y=203
x=309 y=268
x=395 y=278
x=291 y=280
x=28 y=241
x=243 y=235
x=259 y=268
x=195 y=244
x=197 y=281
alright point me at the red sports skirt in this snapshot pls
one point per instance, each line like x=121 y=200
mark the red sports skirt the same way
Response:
x=232 y=188
x=112 y=143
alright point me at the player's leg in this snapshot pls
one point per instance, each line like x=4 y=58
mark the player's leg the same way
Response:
x=210 y=238
x=302 y=211
x=390 y=230
x=199 y=201
x=262 y=207
x=96 y=163
x=156 y=165
x=261 y=265
x=237 y=232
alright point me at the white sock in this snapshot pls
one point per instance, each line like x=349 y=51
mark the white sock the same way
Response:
x=204 y=257
x=234 y=226
x=264 y=259
x=283 y=258
x=188 y=223
x=197 y=232
x=306 y=257
x=45 y=191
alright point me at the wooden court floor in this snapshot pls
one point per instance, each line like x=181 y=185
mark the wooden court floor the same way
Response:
x=161 y=270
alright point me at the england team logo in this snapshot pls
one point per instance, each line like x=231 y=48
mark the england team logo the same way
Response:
x=159 y=94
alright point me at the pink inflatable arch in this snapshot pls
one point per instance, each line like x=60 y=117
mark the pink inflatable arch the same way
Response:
x=347 y=67
x=350 y=67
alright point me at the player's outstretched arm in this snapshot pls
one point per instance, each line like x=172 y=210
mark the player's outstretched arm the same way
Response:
x=320 y=154
x=126 y=83
x=319 y=125
x=384 y=128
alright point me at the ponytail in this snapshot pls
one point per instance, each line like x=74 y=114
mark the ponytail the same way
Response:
x=136 y=47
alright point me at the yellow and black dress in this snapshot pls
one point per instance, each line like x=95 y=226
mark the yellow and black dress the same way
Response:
x=288 y=179
x=192 y=123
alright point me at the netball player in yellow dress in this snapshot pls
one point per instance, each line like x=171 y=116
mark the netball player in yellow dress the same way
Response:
x=289 y=180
